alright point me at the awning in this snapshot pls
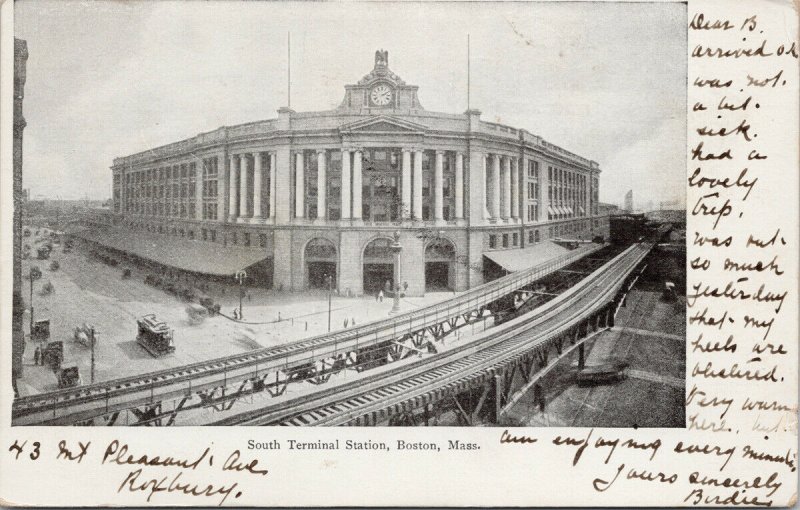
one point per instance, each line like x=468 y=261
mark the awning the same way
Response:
x=551 y=211
x=581 y=211
x=568 y=210
x=517 y=260
x=177 y=252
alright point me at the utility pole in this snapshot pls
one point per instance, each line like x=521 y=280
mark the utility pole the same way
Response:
x=396 y=248
x=93 y=342
x=240 y=276
x=329 y=279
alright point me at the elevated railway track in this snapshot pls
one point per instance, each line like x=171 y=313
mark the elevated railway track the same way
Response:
x=157 y=398
x=481 y=377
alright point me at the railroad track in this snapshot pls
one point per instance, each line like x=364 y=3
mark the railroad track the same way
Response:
x=456 y=367
x=90 y=401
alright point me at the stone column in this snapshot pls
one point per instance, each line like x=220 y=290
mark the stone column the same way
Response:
x=322 y=188
x=345 y=185
x=514 y=189
x=495 y=187
x=198 y=190
x=233 y=188
x=406 y=185
x=243 y=180
x=459 y=192
x=418 y=185
x=272 y=183
x=357 y=185
x=438 y=194
x=299 y=187
x=506 y=172
x=257 y=184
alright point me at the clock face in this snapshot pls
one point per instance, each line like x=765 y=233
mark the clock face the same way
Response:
x=381 y=95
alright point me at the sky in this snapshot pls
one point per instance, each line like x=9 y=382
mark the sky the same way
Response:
x=109 y=78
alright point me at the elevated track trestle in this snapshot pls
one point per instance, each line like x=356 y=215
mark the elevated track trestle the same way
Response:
x=157 y=398
x=479 y=380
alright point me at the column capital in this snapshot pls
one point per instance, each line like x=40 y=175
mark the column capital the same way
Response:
x=440 y=151
x=321 y=151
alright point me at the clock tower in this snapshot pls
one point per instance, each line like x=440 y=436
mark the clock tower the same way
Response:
x=381 y=91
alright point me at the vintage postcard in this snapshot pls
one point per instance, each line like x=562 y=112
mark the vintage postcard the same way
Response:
x=442 y=253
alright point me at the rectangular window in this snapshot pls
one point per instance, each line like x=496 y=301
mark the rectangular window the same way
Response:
x=530 y=237
x=262 y=240
x=213 y=236
x=204 y=234
x=505 y=240
x=246 y=236
x=515 y=239
x=492 y=241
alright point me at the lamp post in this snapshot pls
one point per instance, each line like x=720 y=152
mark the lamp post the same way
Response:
x=329 y=279
x=34 y=274
x=240 y=276
x=93 y=345
x=396 y=248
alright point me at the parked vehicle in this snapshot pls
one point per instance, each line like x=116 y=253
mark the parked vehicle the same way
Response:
x=41 y=330
x=53 y=355
x=69 y=377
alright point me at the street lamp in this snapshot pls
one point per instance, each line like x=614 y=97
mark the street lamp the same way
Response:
x=396 y=249
x=34 y=274
x=240 y=276
x=329 y=280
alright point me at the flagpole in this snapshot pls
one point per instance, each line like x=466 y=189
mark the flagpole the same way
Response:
x=289 y=69
x=468 y=73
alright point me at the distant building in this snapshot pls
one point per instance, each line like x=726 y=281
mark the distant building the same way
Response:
x=628 y=207
x=677 y=216
x=18 y=305
x=607 y=209
x=314 y=195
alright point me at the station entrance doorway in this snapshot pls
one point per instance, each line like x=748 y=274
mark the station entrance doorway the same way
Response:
x=321 y=263
x=378 y=266
x=440 y=256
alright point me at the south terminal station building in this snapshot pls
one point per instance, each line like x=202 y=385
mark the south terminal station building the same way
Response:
x=298 y=198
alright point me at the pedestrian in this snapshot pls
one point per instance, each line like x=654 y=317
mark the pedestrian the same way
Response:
x=353 y=322
x=380 y=296
x=235 y=314
x=377 y=296
x=248 y=296
x=36 y=355
x=345 y=323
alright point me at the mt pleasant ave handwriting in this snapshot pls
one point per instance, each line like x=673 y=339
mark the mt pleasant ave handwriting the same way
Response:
x=116 y=454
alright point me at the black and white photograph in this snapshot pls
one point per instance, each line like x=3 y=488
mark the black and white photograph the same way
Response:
x=394 y=214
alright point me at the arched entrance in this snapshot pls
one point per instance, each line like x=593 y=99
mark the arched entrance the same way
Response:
x=320 y=257
x=378 y=266
x=440 y=256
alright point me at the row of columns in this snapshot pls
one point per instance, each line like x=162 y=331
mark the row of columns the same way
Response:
x=411 y=185
x=503 y=194
x=238 y=177
x=411 y=191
